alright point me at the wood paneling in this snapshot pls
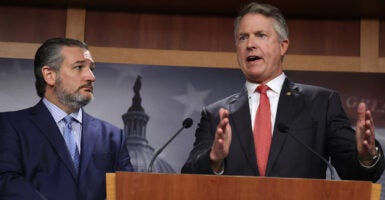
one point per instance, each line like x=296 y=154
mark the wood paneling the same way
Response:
x=154 y=31
x=138 y=186
x=18 y=50
x=382 y=38
x=205 y=33
x=27 y=24
x=369 y=44
x=76 y=23
x=324 y=37
x=186 y=40
x=341 y=9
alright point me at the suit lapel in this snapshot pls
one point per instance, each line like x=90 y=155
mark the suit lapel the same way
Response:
x=290 y=103
x=42 y=118
x=240 y=120
x=89 y=139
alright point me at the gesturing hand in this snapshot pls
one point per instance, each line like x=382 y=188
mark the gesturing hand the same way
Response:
x=222 y=141
x=365 y=136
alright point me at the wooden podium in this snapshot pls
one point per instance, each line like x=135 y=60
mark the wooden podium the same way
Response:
x=146 y=186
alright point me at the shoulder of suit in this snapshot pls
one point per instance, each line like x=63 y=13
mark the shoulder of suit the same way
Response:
x=225 y=102
x=17 y=112
x=306 y=88
x=87 y=118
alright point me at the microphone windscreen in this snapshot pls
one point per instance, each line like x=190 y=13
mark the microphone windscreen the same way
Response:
x=187 y=123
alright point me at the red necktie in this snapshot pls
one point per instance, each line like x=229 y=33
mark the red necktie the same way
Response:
x=262 y=130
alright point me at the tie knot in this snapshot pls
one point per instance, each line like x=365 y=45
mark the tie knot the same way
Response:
x=262 y=89
x=67 y=120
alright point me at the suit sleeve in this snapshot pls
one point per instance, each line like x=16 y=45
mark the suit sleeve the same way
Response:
x=199 y=158
x=342 y=146
x=124 y=163
x=13 y=184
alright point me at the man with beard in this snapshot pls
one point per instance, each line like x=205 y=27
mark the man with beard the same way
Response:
x=55 y=150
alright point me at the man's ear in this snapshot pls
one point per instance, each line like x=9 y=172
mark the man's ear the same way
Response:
x=49 y=75
x=284 y=46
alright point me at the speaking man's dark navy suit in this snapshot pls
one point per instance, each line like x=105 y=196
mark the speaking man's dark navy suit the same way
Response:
x=310 y=113
x=35 y=162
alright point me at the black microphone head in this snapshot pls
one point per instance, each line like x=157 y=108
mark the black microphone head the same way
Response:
x=187 y=123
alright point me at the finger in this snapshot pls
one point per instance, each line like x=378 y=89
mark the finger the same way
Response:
x=369 y=122
x=219 y=133
x=361 y=113
x=223 y=113
x=218 y=145
x=223 y=117
x=369 y=128
x=367 y=138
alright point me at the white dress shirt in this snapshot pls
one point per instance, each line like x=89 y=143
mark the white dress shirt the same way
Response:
x=58 y=115
x=275 y=86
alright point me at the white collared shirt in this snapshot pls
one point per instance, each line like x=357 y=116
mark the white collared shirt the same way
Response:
x=275 y=86
x=58 y=115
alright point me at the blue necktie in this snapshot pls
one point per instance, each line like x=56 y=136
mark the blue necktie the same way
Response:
x=70 y=141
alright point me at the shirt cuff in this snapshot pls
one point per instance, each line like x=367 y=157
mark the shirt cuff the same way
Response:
x=219 y=173
x=374 y=159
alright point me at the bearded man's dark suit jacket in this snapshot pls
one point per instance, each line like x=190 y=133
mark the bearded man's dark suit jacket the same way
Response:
x=35 y=163
x=312 y=114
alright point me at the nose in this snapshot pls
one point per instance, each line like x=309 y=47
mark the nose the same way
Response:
x=251 y=43
x=90 y=75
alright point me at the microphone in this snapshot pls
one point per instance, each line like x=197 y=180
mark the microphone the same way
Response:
x=187 y=123
x=285 y=129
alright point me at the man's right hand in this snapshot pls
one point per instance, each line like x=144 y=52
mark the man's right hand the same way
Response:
x=222 y=141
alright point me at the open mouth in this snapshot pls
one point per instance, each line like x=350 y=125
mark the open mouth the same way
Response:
x=252 y=58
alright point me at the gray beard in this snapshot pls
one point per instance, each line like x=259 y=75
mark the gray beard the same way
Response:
x=74 y=101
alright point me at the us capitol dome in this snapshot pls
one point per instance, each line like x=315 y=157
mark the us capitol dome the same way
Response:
x=135 y=122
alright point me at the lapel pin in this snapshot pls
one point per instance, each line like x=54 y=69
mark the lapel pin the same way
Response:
x=288 y=93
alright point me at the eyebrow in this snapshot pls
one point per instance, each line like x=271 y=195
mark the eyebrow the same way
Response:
x=81 y=62
x=243 y=34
